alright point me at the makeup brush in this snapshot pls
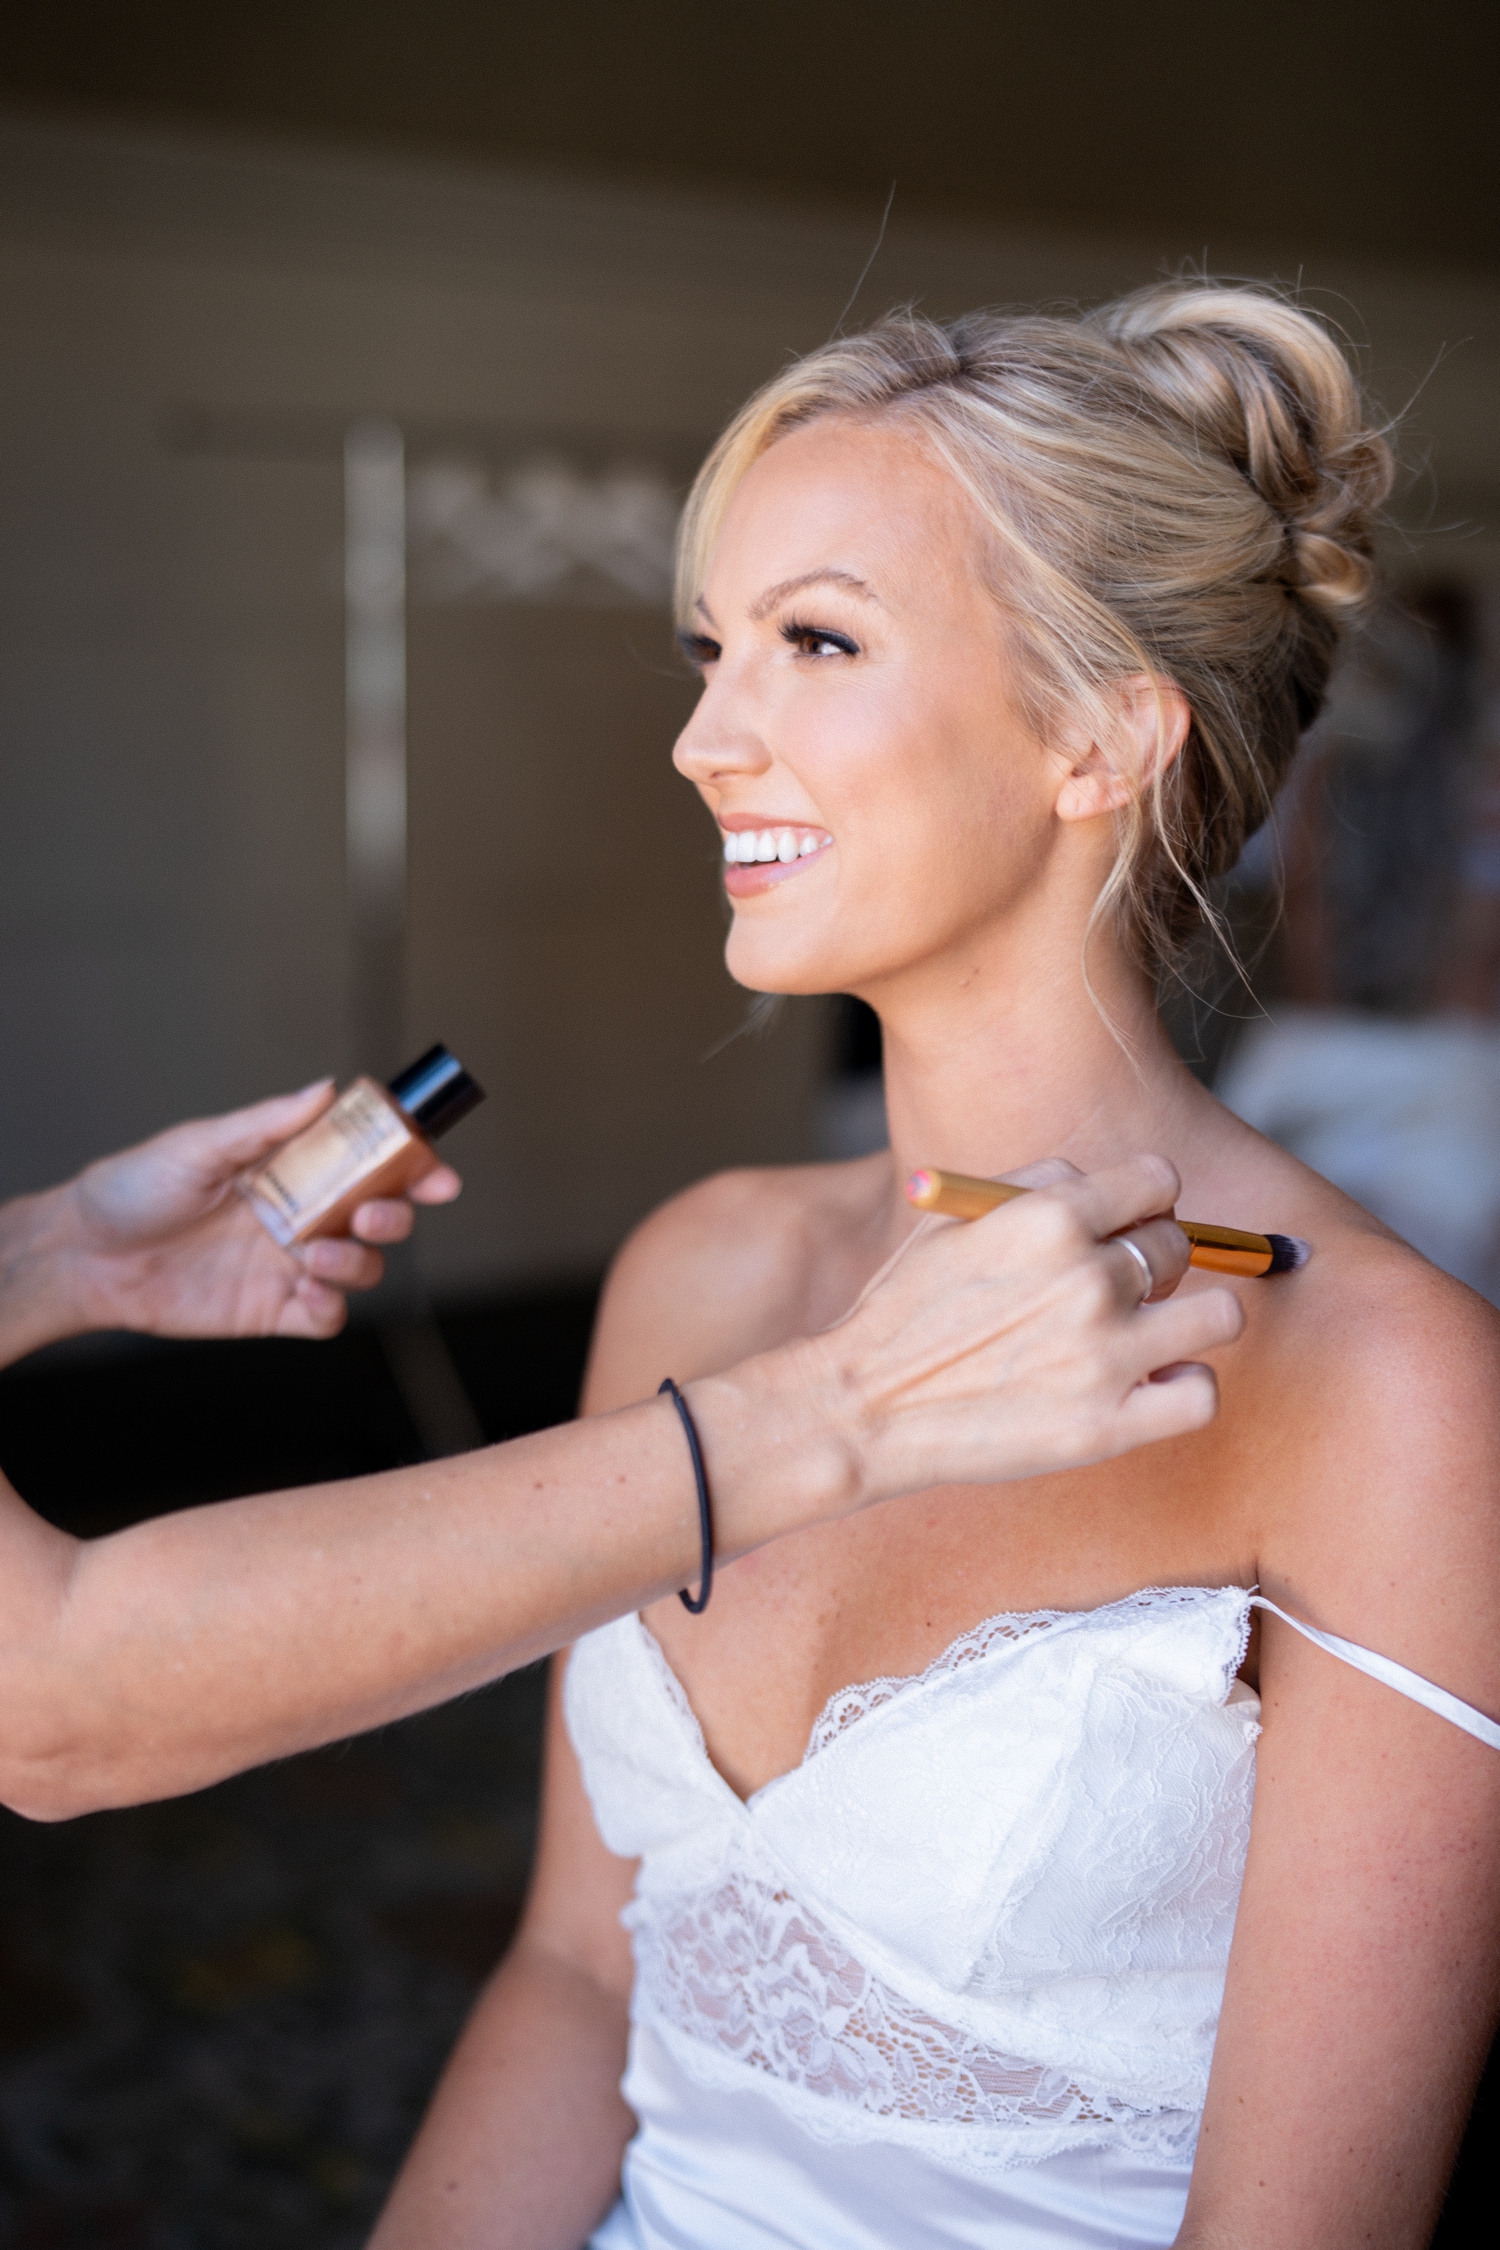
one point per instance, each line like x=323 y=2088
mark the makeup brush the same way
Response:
x=1217 y=1249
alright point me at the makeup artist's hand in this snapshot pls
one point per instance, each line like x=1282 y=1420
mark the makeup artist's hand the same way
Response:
x=156 y=1239
x=1024 y=1342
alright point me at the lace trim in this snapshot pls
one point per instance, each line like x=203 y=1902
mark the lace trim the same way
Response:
x=752 y=1975
x=851 y=1704
x=1232 y=1663
x=671 y=1686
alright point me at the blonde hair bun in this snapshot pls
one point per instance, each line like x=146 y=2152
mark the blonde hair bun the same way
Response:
x=1182 y=483
x=1265 y=384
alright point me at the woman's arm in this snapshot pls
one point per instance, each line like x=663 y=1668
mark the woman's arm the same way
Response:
x=1365 y=1975
x=521 y=2147
x=186 y=1648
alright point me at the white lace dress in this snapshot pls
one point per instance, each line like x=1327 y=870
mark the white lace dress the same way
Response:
x=955 y=1979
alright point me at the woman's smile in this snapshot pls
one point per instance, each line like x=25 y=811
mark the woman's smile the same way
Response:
x=761 y=853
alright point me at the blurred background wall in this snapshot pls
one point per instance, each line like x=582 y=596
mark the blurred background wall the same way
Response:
x=553 y=249
x=555 y=256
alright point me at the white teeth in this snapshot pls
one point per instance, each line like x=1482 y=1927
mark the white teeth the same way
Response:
x=744 y=847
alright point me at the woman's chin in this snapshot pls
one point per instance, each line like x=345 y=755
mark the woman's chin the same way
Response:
x=781 y=968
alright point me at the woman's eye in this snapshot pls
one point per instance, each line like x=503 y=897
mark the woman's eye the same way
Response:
x=699 y=650
x=817 y=640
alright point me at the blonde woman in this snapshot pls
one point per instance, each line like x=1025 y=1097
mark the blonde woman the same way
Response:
x=1008 y=630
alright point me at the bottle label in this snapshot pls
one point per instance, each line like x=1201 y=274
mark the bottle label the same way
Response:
x=307 y=1177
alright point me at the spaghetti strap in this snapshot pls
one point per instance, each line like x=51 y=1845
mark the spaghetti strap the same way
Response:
x=1394 y=1676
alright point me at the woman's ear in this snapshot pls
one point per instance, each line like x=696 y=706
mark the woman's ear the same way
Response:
x=1151 y=722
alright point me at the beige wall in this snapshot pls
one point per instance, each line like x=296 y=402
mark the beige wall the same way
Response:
x=172 y=918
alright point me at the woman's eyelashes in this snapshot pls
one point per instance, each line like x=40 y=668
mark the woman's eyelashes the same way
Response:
x=698 y=649
x=817 y=641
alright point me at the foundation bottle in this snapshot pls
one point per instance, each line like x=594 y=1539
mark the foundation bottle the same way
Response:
x=376 y=1140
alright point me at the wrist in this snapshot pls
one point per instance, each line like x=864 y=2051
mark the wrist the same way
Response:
x=784 y=1444
x=43 y=1289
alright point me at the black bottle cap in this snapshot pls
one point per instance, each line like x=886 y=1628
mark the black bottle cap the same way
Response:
x=436 y=1091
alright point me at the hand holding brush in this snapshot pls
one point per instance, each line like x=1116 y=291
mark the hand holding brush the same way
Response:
x=1216 y=1249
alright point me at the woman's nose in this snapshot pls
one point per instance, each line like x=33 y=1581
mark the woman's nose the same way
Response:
x=720 y=738
x=725 y=732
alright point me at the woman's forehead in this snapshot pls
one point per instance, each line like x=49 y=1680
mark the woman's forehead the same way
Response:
x=860 y=502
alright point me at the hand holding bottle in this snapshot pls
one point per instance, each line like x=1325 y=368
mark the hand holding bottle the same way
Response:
x=156 y=1239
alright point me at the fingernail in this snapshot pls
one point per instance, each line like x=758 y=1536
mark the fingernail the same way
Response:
x=313 y=1085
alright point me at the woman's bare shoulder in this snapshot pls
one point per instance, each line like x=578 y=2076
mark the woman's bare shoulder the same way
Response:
x=1369 y=1327
x=728 y=1267
x=1377 y=1390
x=1369 y=1322
x=1371 y=1331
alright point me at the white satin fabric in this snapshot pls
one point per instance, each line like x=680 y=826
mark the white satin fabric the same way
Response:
x=715 y=2171
x=955 y=1978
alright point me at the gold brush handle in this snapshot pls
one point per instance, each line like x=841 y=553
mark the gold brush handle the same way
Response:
x=1226 y=1249
x=958 y=1196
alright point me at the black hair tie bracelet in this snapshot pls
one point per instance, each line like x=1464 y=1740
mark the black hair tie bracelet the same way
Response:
x=705 y=1512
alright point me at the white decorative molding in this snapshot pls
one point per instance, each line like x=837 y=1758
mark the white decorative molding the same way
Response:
x=544 y=530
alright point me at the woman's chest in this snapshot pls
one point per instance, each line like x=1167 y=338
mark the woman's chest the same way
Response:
x=1050 y=1778
x=882 y=1596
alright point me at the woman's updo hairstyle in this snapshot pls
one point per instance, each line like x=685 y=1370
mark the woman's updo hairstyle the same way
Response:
x=1182 y=483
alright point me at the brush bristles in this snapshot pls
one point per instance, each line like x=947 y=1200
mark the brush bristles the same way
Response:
x=1288 y=1253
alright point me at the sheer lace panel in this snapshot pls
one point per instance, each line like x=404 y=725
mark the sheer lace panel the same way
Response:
x=751 y=1973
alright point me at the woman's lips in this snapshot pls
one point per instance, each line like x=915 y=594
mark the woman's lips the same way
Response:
x=760 y=854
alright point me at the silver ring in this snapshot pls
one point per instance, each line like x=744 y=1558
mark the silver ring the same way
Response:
x=1141 y=1260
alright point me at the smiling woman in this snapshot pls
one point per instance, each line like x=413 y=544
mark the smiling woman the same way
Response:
x=1008 y=631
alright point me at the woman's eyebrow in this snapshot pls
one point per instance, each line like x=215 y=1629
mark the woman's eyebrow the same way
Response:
x=845 y=579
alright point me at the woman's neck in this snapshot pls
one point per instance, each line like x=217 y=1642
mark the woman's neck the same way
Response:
x=993 y=1068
